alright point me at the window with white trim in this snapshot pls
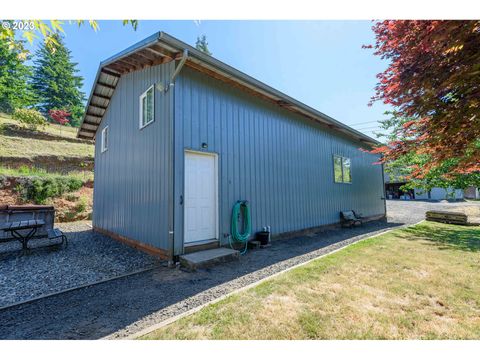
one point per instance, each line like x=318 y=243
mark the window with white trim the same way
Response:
x=105 y=139
x=147 y=107
x=342 y=169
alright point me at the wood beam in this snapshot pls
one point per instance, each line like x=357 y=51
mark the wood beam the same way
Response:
x=93 y=115
x=132 y=62
x=98 y=106
x=119 y=68
x=158 y=50
x=146 y=55
x=109 y=72
x=90 y=123
x=90 y=134
x=142 y=59
x=105 y=85
x=126 y=65
x=102 y=96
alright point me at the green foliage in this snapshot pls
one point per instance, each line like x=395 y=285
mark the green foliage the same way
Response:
x=56 y=82
x=47 y=31
x=406 y=167
x=30 y=118
x=39 y=189
x=202 y=45
x=82 y=204
x=15 y=91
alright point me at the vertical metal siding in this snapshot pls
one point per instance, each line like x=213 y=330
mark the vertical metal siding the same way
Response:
x=279 y=161
x=132 y=177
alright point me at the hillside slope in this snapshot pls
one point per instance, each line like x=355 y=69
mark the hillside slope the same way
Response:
x=46 y=166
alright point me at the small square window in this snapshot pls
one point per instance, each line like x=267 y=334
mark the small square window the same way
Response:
x=147 y=107
x=342 y=169
x=105 y=139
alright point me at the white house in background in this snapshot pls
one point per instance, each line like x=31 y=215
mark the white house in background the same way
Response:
x=393 y=191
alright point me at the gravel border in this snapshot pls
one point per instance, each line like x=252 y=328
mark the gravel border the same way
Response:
x=121 y=308
x=174 y=318
x=45 y=270
x=217 y=293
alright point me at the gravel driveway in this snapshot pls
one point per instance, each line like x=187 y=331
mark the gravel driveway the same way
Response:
x=124 y=306
x=410 y=212
x=90 y=257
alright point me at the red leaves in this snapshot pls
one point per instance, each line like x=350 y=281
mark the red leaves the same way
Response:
x=59 y=116
x=433 y=77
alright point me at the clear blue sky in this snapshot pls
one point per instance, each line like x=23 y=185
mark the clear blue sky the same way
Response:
x=320 y=63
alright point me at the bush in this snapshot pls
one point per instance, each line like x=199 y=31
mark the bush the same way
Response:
x=59 y=116
x=82 y=204
x=30 y=118
x=39 y=189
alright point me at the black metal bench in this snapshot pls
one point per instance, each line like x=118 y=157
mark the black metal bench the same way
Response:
x=350 y=218
x=57 y=234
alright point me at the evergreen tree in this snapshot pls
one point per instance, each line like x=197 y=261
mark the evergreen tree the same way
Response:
x=15 y=91
x=56 y=82
x=202 y=45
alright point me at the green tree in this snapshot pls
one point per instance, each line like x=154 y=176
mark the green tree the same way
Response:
x=202 y=45
x=410 y=166
x=55 y=80
x=33 y=29
x=15 y=91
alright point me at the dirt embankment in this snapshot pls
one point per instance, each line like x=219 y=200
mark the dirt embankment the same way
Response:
x=18 y=131
x=73 y=206
x=50 y=163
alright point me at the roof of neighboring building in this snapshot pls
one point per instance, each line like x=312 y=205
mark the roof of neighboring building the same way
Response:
x=160 y=48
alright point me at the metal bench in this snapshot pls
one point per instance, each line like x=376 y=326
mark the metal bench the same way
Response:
x=56 y=234
x=349 y=218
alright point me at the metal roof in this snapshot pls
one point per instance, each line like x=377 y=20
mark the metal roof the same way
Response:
x=160 y=48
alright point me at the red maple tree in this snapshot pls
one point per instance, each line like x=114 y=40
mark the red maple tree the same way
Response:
x=433 y=80
x=59 y=116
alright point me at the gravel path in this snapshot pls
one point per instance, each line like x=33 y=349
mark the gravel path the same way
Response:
x=121 y=307
x=410 y=212
x=89 y=257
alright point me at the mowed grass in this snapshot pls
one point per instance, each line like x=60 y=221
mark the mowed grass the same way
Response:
x=421 y=282
x=27 y=147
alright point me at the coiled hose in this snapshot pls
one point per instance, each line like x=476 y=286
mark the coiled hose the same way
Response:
x=237 y=237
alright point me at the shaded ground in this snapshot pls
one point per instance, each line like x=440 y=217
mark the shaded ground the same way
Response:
x=421 y=282
x=121 y=307
x=89 y=257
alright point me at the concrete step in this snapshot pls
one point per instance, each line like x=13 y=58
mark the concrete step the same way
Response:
x=208 y=258
x=200 y=246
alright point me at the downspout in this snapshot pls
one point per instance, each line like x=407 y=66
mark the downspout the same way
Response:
x=172 y=200
x=178 y=69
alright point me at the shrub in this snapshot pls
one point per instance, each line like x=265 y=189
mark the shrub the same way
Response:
x=30 y=118
x=39 y=189
x=60 y=116
x=82 y=204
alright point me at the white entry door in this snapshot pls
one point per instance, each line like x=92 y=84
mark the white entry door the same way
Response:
x=200 y=196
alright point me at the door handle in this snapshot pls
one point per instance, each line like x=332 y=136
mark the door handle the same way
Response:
x=181 y=199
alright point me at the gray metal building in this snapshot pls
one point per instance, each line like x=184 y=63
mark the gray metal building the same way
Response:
x=181 y=136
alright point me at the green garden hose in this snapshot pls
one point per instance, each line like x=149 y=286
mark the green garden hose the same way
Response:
x=237 y=237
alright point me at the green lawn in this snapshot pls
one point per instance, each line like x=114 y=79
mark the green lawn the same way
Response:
x=421 y=282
